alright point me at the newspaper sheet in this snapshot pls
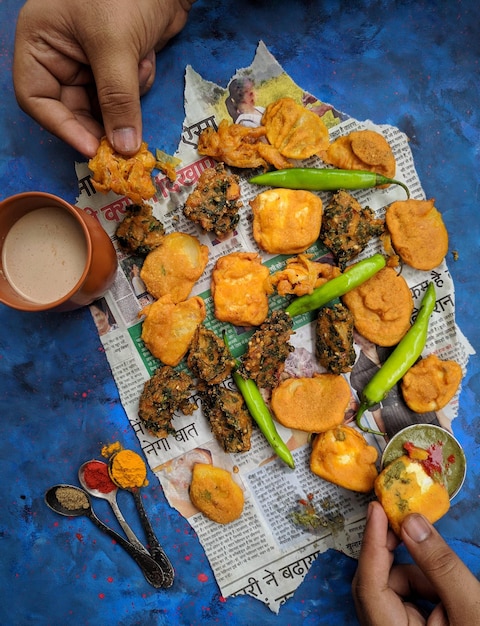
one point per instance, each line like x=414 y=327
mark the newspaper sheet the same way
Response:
x=268 y=551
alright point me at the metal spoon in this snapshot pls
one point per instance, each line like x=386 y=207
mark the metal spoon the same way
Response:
x=150 y=568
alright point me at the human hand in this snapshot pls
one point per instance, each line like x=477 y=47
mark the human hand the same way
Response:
x=385 y=594
x=78 y=61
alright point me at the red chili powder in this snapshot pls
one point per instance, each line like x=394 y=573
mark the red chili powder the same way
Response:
x=96 y=476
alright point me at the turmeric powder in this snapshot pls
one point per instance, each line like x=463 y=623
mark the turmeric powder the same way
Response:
x=128 y=470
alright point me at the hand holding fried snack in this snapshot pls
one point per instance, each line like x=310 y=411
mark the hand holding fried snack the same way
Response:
x=215 y=494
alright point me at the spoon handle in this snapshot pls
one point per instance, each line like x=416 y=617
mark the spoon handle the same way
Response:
x=156 y=549
x=132 y=537
x=150 y=568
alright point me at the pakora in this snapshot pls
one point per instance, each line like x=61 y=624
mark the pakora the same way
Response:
x=286 y=221
x=334 y=339
x=240 y=287
x=228 y=416
x=126 y=176
x=215 y=202
x=169 y=327
x=209 y=358
x=418 y=233
x=140 y=231
x=301 y=275
x=381 y=307
x=342 y=456
x=430 y=384
x=174 y=266
x=215 y=493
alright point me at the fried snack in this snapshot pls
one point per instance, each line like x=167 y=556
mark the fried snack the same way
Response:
x=268 y=350
x=214 y=203
x=140 y=232
x=334 y=339
x=209 y=358
x=229 y=418
x=239 y=146
x=166 y=392
x=381 y=307
x=404 y=487
x=296 y=132
x=342 y=456
x=215 y=494
x=430 y=384
x=174 y=266
x=301 y=275
x=240 y=288
x=362 y=150
x=168 y=328
x=347 y=227
x=418 y=233
x=286 y=221
x=312 y=405
x=126 y=176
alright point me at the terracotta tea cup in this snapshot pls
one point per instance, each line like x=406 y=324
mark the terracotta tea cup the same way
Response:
x=53 y=256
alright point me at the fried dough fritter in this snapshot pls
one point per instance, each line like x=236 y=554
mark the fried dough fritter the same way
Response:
x=293 y=130
x=381 y=307
x=165 y=393
x=209 y=358
x=430 y=384
x=342 y=456
x=214 y=203
x=169 y=327
x=240 y=287
x=126 y=176
x=267 y=350
x=301 y=275
x=418 y=233
x=215 y=493
x=347 y=227
x=286 y=221
x=228 y=416
x=334 y=339
x=362 y=150
x=140 y=232
x=174 y=266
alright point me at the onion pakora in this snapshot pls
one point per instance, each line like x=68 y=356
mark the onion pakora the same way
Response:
x=382 y=307
x=293 y=130
x=362 y=150
x=311 y=404
x=140 y=232
x=126 y=176
x=334 y=339
x=229 y=418
x=174 y=266
x=301 y=275
x=418 y=233
x=169 y=327
x=215 y=493
x=240 y=287
x=430 y=384
x=209 y=358
x=214 y=203
x=166 y=392
x=286 y=221
x=342 y=456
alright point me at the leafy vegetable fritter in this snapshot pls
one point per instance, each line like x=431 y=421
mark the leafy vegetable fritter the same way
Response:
x=334 y=339
x=208 y=357
x=229 y=418
x=140 y=232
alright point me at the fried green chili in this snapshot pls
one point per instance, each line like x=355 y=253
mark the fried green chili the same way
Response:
x=261 y=414
x=324 y=179
x=338 y=286
x=399 y=361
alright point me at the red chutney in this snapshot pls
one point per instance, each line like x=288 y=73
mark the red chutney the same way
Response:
x=432 y=462
x=95 y=474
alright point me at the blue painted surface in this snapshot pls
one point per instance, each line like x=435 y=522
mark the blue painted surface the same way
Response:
x=413 y=64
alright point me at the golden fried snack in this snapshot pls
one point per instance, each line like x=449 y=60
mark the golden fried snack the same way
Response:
x=126 y=176
x=174 y=266
x=215 y=494
x=362 y=150
x=140 y=232
x=430 y=384
x=382 y=307
x=342 y=456
x=301 y=275
x=313 y=405
x=168 y=328
x=240 y=288
x=296 y=132
x=404 y=487
x=286 y=221
x=418 y=233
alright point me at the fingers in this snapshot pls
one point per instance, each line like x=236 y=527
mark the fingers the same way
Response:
x=146 y=72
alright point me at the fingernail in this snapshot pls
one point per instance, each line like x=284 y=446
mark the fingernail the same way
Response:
x=125 y=140
x=417 y=528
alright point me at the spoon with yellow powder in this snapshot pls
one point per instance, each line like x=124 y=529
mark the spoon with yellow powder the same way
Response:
x=128 y=471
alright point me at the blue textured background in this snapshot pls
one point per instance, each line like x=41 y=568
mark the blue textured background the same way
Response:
x=413 y=64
